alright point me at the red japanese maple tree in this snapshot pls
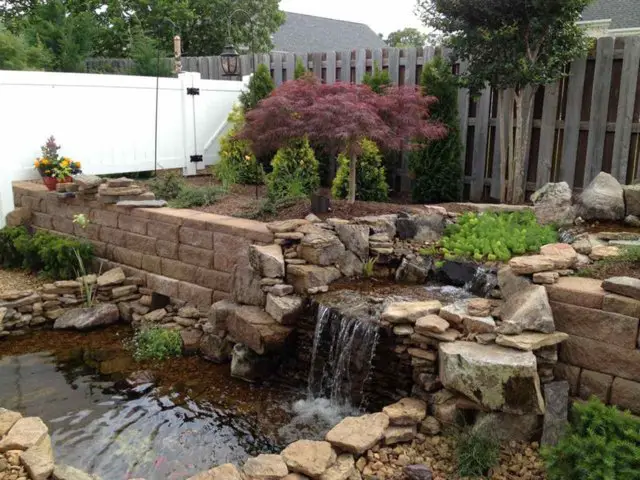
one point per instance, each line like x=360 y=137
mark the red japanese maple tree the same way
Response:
x=341 y=115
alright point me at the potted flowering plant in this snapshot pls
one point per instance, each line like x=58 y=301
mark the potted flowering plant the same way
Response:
x=52 y=167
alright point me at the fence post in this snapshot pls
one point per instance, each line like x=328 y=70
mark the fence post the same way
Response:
x=189 y=80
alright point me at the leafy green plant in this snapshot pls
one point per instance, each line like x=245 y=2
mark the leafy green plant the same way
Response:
x=378 y=79
x=10 y=256
x=300 y=70
x=495 y=236
x=148 y=61
x=601 y=443
x=295 y=171
x=476 y=453
x=89 y=289
x=371 y=183
x=197 y=196
x=260 y=86
x=369 y=266
x=156 y=344
x=436 y=167
x=168 y=185
x=16 y=53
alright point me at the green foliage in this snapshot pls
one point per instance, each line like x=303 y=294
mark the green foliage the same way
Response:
x=601 y=443
x=495 y=236
x=17 y=53
x=378 y=80
x=300 y=70
x=10 y=257
x=371 y=184
x=407 y=37
x=190 y=197
x=156 y=344
x=436 y=167
x=237 y=163
x=260 y=87
x=295 y=171
x=628 y=260
x=52 y=255
x=148 y=60
x=270 y=207
x=476 y=453
x=369 y=266
x=167 y=186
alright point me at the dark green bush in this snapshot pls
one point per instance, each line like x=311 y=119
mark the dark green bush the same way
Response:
x=295 y=172
x=167 y=186
x=260 y=87
x=300 y=70
x=156 y=344
x=371 y=183
x=436 y=167
x=197 y=196
x=601 y=443
x=476 y=453
x=495 y=236
x=378 y=79
x=10 y=257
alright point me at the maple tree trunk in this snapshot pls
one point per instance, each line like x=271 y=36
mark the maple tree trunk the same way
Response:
x=524 y=111
x=352 y=178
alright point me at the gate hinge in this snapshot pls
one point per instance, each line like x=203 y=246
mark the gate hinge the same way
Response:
x=196 y=158
x=193 y=91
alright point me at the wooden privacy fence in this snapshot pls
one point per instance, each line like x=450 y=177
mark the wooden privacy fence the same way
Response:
x=582 y=124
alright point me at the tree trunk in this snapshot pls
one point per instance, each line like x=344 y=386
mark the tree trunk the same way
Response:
x=524 y=111
x=504 y=144
x=352 y=178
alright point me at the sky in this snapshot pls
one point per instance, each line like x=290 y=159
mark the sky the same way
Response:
x=382 y=16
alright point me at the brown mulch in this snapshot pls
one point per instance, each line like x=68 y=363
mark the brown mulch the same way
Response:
x=18 y=280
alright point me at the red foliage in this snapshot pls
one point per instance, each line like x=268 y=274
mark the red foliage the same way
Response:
x=340 y=115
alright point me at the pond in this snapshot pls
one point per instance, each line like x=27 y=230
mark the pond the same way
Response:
x=193 y=417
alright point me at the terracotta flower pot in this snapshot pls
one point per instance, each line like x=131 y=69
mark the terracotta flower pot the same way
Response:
x=50 y=182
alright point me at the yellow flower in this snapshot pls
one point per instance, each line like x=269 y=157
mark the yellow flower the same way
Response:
x=65 y=163
x=44 y=161
x=36 y=163
x=78 y=165
x=247 y=157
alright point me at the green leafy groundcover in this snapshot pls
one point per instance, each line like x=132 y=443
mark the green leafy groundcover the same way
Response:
x=156 y=344
x=495 y=236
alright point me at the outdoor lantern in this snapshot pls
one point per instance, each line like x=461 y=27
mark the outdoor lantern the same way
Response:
x=229 y=59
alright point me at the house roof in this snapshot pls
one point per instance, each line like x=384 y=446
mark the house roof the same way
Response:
x=306 y=33
x=623 y=13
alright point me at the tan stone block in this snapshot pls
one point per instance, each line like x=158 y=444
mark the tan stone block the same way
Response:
x=608 y=327
x=99 y=248
x=132 y=224
x=622 y=305
x=219 y=296
x=595 y=384
x=163 y=285
x=196 y=256
x=218 y=281
x=626 y=395
x=583 y=292
x=163 y=231
x=240 y=227
x=112 y=236
x=61 y=224
x=128 y=257
x=174 y=216
x=104 y=217
x=201 y=220
x=140 y=243
x=167 y=249
x=90 y=231
x=230 y=251
x=42 y=220
x=571 y=374
x=178 y=270
x=602 y=357
x=34 y=203
x=196 y=238
x=152 y=264
x=194 y=294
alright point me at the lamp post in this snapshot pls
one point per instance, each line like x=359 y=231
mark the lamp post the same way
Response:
x=229 y=58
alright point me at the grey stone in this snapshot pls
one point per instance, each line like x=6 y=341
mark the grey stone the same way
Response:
x=305 y=277
x=380 y=224
x=414 y=270
x=603 y=199
x=246 y=286
x=632 y=220
x=87 y=182
x=350 y=264
x=626 y=286
x=552 y=204
x=284 y=310
x=528 y=309
x=249 y=366
x=218 y=314
x=632 y=199
x=111 y=278
x=506 y=427
x=88 y=318
x=321 y=249
x=280 y=290
x=268 y=260
x=420 y=228
x=556 y=395
x=355 y=238
x=510 y=283
x=142 y=203
x=216 y=349
x=418 y=472
x=65 y=472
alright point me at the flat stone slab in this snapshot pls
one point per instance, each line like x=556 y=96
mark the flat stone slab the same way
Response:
x=394 y=435
x=358 y=434
x=88 y=318
x=529 y=341
x=343 y=469
x=142 y=203
x=257 y=329
x=431 y=324
x=25 y=433
x=265 y=467
x=531 y=264
x=309 y=457
x=407 y=411
x=7 y=420
x=410 y=312
x=111 y=278
x=626 y=286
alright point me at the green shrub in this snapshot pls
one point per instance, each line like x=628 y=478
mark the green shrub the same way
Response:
x=10 y=257
x=168 y=185
x=237 y=163
x=476 y=453
x=436 y=167
x=495 y=236
x=601 y=443
x=371 y=183
x=197 y=196
x=260 y=87
x=378 y=80
x=295 y=171
x=300 y=70
x=156 y=344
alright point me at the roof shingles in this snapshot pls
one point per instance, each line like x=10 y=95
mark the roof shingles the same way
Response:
x=623 y=13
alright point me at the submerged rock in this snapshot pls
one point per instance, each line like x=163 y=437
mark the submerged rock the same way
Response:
x=88 y=318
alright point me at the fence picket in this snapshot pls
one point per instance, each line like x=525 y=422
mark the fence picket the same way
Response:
x=599 y=108
x=547 y=134
x=290 y=65
x=463 y=112
x=394 y=65
x=331 y=67
x=572 y=121
x=410 y=68
x=277 y=68
x=317 y=65
x=480 y=139
x=345 y=69
x=377 y=57
x=361 y=64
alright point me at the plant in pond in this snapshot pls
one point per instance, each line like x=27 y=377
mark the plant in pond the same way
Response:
x=295 y=171
x=476 y=453
x=495 y=236
x=369 y=266
x=601 y=443
x=10 y=256
x=156 y=343
x=189 y=196
x=371 y=183
x=341 y=115
x=168 y=185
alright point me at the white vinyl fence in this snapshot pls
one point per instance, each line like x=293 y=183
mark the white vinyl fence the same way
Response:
x=108 y=122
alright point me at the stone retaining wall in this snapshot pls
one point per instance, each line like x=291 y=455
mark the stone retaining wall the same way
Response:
x=183 y=254
x=602 y=354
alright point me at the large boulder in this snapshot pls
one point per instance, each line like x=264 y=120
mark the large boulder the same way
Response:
x=355 y=238
x=603 y=199
x=498 y=378
x=246 y=286
x=284 y=310
x=420 y=228
x=632 y=199
x=528 y=309
x=88 y=318
x=267 y=259
x=358 y=434
x=257 y=329
x=309 y=457
x=322 y=248
x=552 y=204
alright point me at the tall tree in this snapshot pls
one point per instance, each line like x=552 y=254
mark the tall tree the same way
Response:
x=407 y=37
x=341 y=115
x=511 y=44
x=17 y=53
